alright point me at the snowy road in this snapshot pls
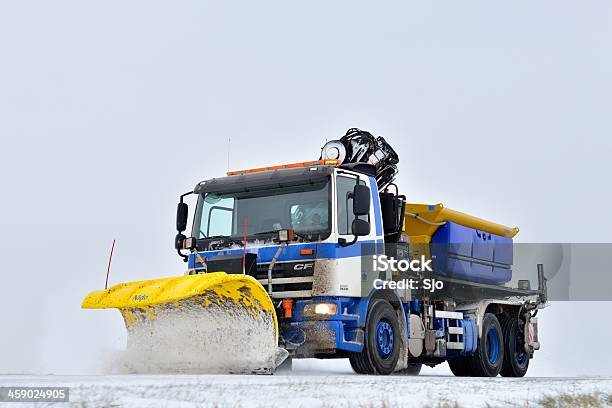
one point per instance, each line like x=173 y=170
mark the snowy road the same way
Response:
x=342 y=390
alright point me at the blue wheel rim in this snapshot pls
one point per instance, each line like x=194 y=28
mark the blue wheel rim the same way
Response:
x=492 y=345
x=384 y=338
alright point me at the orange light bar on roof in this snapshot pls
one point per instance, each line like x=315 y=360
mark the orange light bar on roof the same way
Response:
x=287 y=166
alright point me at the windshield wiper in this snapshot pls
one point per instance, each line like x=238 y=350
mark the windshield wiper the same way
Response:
x=264 y=233
x=304 y=237
x=225 y=240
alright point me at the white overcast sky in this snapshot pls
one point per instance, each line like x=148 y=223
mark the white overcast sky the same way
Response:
x=109 y=110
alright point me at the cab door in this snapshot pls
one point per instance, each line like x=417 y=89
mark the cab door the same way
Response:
x=345 y=182
x=351 y=271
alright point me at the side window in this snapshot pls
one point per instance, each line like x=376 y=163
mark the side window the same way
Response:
x=217 y=216
x=220 y=221
x=344 y=186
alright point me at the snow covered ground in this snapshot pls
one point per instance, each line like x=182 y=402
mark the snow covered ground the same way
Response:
x=309 y=386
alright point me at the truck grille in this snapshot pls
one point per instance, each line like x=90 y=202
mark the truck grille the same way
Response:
x=289 y=279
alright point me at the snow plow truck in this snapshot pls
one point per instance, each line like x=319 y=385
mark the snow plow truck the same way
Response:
x=297 y=261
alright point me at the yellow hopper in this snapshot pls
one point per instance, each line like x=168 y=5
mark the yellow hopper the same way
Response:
x=421 y=221
x=214 y=322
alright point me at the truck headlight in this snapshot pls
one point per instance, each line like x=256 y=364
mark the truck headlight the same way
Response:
x=320 y=309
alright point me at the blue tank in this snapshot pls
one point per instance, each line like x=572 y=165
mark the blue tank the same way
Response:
x=465 y=253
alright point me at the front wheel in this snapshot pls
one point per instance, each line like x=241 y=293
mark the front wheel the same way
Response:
x=382 y=341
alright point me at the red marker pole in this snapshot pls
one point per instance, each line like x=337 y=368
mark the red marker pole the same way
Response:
x=244 y=235
x=110 y=258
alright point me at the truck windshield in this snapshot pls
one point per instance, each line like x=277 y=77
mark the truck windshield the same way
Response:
x=304 y=208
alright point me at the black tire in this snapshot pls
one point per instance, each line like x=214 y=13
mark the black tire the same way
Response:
x=358 y=364
x=460 y=366
x=516 y=359
x=378 y=357
x=488 y=358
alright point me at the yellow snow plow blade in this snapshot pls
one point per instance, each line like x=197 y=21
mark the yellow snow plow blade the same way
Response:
x=213 y=322
x=242 y=289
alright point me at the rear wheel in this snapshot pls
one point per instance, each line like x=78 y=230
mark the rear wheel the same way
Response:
x=516 y=359
x=381 y=347
x=488 y=359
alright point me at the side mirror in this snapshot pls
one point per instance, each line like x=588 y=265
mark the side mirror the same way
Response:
x=361 y=200
x=360 y=228
x=181 y=216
